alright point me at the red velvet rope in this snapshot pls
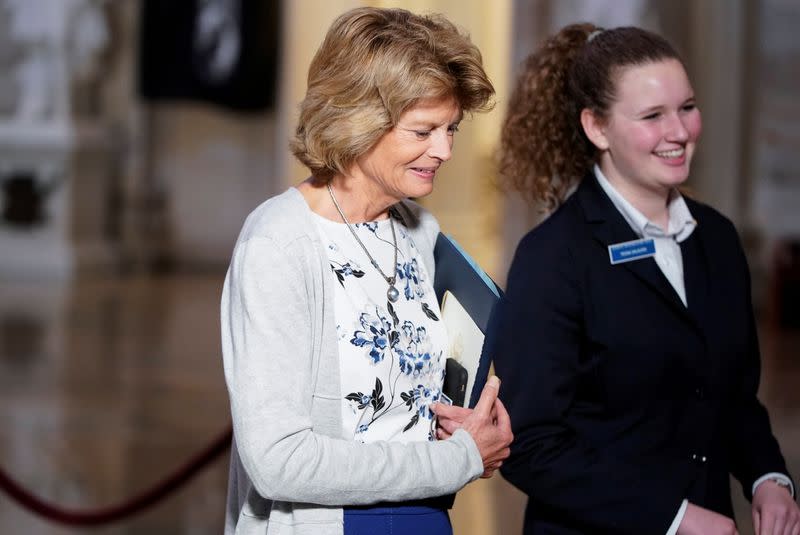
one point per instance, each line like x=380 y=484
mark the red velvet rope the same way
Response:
x=125 y=509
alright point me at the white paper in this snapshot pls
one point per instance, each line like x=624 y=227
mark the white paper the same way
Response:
x=465 y=339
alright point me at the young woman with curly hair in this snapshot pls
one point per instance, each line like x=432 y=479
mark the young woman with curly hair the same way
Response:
x=626 y=341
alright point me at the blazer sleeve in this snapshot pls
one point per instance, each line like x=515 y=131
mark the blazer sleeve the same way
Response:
x=538 y=354
x=268 y=318
x=754 y=450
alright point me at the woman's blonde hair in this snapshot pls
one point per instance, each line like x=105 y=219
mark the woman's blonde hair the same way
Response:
x=373 y=65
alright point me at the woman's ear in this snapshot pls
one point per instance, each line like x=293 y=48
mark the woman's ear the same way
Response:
x=594 y=129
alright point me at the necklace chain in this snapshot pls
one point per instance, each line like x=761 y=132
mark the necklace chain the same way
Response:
x=392 y=293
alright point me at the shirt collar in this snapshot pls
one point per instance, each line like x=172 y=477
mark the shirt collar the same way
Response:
x=681 y=223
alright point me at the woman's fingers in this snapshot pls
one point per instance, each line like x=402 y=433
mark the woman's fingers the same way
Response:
x=488 y=397
x=450 y=412
x=501 y=415
x=491 y=469
x=448 y=425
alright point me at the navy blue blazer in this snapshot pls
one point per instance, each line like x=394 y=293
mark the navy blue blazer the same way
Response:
x=623 y=401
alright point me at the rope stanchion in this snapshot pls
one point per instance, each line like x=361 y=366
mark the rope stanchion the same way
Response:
x=122 y=510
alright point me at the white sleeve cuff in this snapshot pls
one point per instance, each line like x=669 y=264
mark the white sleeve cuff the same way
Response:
x=673 y=528
x=775 y=476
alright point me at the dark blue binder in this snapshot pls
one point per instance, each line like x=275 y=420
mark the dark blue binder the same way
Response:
x=457 y=272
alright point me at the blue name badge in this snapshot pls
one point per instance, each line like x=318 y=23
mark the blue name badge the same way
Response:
x=631 y=250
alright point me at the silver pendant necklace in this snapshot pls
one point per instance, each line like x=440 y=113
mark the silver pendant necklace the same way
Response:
x=392 y=294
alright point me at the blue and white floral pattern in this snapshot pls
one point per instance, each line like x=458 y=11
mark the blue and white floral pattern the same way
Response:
x=344 y=270
x=414 y=350
x=408 y=272
x=392 y=354
x=372 y=226
x=377 y=335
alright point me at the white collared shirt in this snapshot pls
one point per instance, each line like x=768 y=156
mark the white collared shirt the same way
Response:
x=668 y=250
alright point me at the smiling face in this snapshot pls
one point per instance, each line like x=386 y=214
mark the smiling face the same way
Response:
x=403 y=163
x=649 y=135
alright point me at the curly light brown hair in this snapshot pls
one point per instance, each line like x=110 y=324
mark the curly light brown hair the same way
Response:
x=373 y=65
x=544 y=151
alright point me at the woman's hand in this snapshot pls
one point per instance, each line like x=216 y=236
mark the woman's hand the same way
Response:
x=446 y=424
x=488 y=424
x=774 y=510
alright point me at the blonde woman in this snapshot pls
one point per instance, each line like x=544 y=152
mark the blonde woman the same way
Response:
x=333 y=349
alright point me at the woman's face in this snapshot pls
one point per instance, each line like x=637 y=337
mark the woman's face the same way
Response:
x=651 y=129
x=403 y=163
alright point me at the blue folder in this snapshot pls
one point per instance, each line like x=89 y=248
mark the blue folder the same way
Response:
x=457 y=272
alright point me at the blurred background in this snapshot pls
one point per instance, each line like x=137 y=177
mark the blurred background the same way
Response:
x=136 y=135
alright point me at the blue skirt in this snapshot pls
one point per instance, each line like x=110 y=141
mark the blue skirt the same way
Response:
x=396 y=520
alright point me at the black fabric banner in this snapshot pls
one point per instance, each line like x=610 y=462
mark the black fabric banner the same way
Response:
x=223 y=52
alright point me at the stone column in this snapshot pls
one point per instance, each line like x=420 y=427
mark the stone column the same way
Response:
x=53 y=163
x=716 y=64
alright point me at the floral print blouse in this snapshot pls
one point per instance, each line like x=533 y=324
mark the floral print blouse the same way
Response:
x=391 y=354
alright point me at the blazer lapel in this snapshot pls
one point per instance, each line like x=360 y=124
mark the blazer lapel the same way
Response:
x=697 y=275
x=609 y=227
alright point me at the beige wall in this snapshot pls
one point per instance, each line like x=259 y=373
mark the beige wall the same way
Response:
x=305 y=24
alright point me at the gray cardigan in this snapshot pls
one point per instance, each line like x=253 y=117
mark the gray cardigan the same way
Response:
x=292 y=469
